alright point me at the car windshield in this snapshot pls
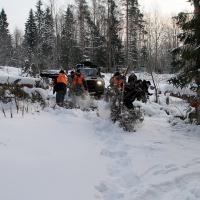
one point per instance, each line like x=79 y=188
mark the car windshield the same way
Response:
x=89 y=71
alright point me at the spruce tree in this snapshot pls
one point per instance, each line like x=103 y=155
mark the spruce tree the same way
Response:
x=30 y=33
x=135 y=27
x=68 y=44
x=5 y=40
x=115 y=54
x=187 y=56
x=40 y=25
x=101 y=33
x=98 y=47
x=39 y=20
x=82 y=26
x=96 y=42
x=91 y=41
x=48 y=40
x=30 y=43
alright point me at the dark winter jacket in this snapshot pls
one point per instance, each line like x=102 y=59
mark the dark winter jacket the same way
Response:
x=136 y=90
x=60 y=87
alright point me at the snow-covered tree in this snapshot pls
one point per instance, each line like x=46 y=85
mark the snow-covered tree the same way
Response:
x=30 y=43
x=40 y=38
x=188 y=54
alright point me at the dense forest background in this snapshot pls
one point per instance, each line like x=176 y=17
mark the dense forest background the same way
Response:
x=112 y=34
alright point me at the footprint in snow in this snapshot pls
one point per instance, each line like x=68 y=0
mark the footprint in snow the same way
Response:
x=113 y=154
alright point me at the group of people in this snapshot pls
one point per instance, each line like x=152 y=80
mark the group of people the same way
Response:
x=133 y=89
x=75 y=82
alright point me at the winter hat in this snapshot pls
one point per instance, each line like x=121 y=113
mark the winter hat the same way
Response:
x=132 y=78
x=62 y=71
x=116 y=74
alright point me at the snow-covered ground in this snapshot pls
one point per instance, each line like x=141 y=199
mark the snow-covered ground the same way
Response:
x=71 y=154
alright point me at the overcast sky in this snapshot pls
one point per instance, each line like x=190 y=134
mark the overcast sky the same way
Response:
x=17 y=10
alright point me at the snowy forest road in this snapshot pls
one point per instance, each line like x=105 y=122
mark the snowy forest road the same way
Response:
x=70 y=154
x=48 y=156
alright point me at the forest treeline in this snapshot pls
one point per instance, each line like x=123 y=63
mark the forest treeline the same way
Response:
x=111 y=34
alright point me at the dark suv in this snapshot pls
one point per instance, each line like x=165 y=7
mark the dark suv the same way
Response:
x=94 y=81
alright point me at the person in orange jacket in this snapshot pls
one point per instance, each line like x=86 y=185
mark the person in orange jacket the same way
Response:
x=79 y=83
x=117 y=81
x=60 y=87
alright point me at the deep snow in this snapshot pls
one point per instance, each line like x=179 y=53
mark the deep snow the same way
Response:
x=48 y=156
x=70 y=154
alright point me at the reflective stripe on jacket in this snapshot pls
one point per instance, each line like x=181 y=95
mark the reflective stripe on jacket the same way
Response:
x=62 y=79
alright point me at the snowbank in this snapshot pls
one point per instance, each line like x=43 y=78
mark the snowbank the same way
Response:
x=8 y=75
x=6 y=71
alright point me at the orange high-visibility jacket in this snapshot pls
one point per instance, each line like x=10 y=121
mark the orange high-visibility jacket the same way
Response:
x=78 y=80
x=62 y=79
x=117 y=82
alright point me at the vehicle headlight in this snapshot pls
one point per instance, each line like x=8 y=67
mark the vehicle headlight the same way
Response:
x=99 y=83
